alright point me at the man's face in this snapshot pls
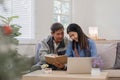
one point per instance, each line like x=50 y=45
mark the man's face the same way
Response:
x=58 y=35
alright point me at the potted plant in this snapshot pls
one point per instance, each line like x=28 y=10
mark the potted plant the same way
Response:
x=9 y=31
x=12 y=64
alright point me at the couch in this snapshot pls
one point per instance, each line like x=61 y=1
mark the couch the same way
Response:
x=107 y=50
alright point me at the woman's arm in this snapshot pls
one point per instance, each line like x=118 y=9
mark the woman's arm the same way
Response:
x=93 y=48
x=69 y=52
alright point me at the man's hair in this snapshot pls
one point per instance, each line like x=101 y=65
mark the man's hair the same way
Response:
x=56 y=26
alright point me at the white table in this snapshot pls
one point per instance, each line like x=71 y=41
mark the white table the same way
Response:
x=62 y=75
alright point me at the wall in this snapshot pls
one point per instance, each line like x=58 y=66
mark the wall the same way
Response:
x=105 y=14
x=43 y=17
x=107 y=18
x=83 y=13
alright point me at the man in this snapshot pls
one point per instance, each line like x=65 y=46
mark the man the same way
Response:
x=56 y=43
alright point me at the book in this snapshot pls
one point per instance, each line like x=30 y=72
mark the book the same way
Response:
x=56 y=58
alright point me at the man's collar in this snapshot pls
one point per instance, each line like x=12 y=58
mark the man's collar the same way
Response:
x=51 y=44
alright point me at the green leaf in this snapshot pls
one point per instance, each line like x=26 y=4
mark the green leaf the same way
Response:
x=8 y=19
x=5 y=21
x=16 y=29
x=11 y=18
x=3 y=17
x=14 y=17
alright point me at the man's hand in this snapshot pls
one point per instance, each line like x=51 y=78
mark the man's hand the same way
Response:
x=59 y=65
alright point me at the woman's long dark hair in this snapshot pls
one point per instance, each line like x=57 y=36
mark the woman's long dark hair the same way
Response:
x=82 y=38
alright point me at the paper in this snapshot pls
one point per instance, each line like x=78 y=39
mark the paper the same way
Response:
x=56 y=58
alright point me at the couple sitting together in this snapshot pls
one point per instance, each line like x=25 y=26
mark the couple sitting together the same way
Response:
x=80 y=45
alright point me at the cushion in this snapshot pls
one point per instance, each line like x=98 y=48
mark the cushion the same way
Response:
x=117 y=62
x=107 y=51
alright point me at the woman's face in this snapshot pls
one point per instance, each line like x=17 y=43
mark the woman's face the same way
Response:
x=73 y=36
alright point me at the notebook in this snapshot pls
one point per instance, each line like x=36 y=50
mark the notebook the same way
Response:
x=79 y=65
x=56 y=58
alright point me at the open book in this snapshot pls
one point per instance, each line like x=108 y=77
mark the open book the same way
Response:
x=56 y=58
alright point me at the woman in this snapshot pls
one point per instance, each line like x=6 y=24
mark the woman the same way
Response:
x=81 y=45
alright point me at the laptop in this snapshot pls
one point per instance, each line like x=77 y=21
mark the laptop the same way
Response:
x=79 y=65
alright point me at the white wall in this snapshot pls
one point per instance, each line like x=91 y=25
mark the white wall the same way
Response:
x=83 y=13
x=43 y=17
x=107 y=18
x=105 y=14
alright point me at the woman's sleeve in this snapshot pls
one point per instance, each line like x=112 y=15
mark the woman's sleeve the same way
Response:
x=69 y=50
x=93 y=49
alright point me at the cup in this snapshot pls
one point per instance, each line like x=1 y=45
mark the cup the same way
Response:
x=95 y=71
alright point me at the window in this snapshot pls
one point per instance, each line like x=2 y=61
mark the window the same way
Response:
x=62 y=11
x=23 y=9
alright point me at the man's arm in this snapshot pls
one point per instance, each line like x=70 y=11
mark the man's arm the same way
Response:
x=44 y=50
